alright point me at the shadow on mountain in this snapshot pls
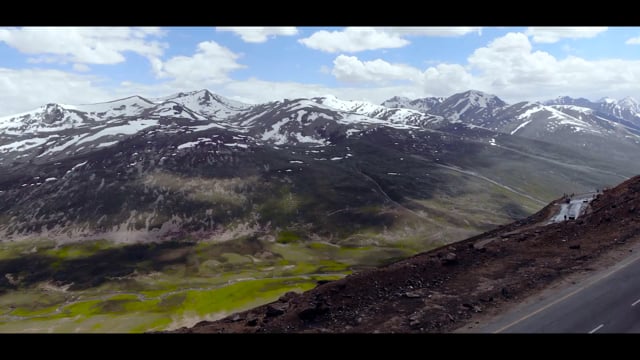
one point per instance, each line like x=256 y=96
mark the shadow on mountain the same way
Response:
x=93 y=270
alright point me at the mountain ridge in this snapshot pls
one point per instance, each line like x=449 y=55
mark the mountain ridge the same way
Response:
x=168 y=129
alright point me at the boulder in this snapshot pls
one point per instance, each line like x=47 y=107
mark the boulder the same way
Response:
x=449 y=259
x=276 y=309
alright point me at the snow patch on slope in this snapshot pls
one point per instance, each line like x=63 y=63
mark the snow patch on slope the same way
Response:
x=26 y=144
x=130 y=106
x=128 y=129
x=580 y=109
x=520 y=127
x=566 y=119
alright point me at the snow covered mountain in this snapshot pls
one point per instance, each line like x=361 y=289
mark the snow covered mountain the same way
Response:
x=56 y=117
x=567 y=100
x=607 y=125
x=625 y=111
x=569 y=126
x=397 y=116
x=471 y=107
x=127 y=160
x=55 y=131
x=206 y=103
x=323 y=120
x=423 y=105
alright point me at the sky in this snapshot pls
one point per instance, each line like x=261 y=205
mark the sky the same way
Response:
x=79 y=65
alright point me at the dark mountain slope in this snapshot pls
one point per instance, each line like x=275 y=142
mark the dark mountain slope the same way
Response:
x=441 y=289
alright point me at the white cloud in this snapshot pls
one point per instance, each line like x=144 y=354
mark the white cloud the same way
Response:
x=209 y=65
x=353 y=39
x=509 y=67
x=45 y=60
x=633 y=41
x=440 y=31
x=441 y=80
x=207 y=68
x=447 y=79
x=351 y=69
x=260 y=34
x=83 y=45
x=23 y=90
x=257 y=91
x=81 y=67
x=554 y=34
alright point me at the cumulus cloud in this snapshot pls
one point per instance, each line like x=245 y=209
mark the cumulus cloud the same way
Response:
x=254 y=91
x=210 y=64
x=440 y=31
x=23 y=90
x=509 y=59
x=26 y=89
x=554 y=34
x=257 y=91
x=442 y=79
x=83 y=45
x=509 y=66
x=81 y=67
x=439 y=79
x=259 y=34
x=353 y=39
x=351 y=69
x=633 y=41
x=446 y=79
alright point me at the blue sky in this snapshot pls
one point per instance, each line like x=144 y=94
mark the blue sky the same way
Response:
x=83 y=65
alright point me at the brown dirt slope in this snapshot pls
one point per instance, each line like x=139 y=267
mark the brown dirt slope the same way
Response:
x=442 y=289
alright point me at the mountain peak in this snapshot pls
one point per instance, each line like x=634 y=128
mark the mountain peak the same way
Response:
x=205 y=102
x=190 y=93
x=204 y=94
x=344 y=105
x=477 y=98
x=399 y=99
x=560 y=100
x=568 y=100
x=607 y=100
x=325 y=96
x=422 y=104
x=476 y=92
x=629 y=102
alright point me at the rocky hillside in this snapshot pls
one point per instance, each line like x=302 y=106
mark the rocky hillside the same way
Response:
x=440 y=290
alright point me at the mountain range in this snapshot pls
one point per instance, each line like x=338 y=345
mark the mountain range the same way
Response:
x=292 y=185
x=125 y=146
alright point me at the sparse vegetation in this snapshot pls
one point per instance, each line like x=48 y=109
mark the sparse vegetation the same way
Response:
x=163 y=285
x=287 y=236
